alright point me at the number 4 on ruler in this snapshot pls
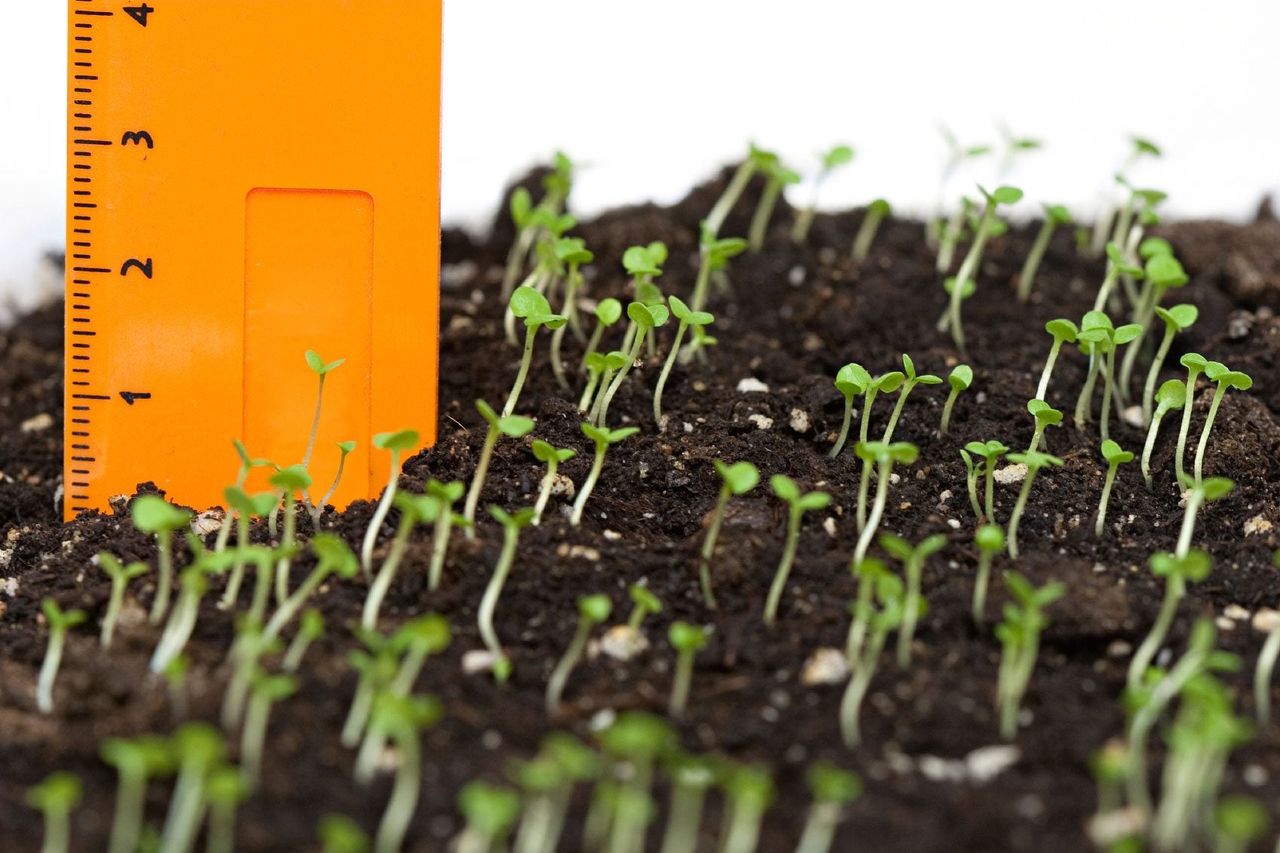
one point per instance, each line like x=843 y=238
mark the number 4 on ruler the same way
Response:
x=139 y=13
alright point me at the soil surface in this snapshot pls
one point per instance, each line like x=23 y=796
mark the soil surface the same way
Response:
x=791 y=316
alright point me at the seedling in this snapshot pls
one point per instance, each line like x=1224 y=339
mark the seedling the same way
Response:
x=1195 y=364
x=246 y=507
x=1192 y=566
x=990 y=542
x=749 y=790
x=1054 y=215
x=1045 y=416
x=757 y=159
x=192 y=585
x=644 y=264
x=197 y=748
x=690 y=776
x=532 y=307
x=888 y=383
x=340 y=834
x=1063 y=331
x=528 y=219
x=971 y=472
x=868 y=573
x=490 y=813
x=414 y=510
x=1197 y=493
x=885 y=456
x=1177 y=319
x=377 y=667
x=403 y=719
x=289 y=482
x=889 y=592
x=157 y=516
x=445 y=496
x=310 y=629
x=910 y=381
x=225 y=792
x=851 y=381
x=643 y=604
x=1019 y=636
x=1162 y=272
x=716 y=253
x=644 y=318
x=1101 y=340
x=321 y=369
x=736 y=479
x=247 y=464
x=175 y=678
x=952 y=230
x=120 y=576
x=687 y=640
x=1266 y=666
x=635 y=740
x=419 y=638
x=969 y=267
x=573 y=253
x=960 y=378
x=798 y=503
x=514 y=426
x=957 y=155
x=1239 y=821
x=344 y=449
x=912 y=559
x=687 y=318
x=59 y=623
x=136 y=761
x=1034 y=460
x=989 y=452
x=333 y=557
x=603 y=438
x=776 y=177
x=512 y=524
x=592 y=610
x=267 y=690
x=395 y=443
x=608 y=312
x=1115 y=457
x=870 y=225
x=600 y=369
x=1224 y=378
x=250 y=645
x=1117 y=265
x=1171 y=397
x=56 y=796
x=838 y=156
x=552 y=456
x=832 y=789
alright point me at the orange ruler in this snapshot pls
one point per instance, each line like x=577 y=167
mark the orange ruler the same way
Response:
x=247 y=180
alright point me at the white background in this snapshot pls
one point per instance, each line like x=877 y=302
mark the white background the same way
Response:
x=650 y=96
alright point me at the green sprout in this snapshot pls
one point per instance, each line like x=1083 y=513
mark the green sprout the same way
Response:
x=634 y=742
x=310 y=629
x=1115 y=457
x=644 y=264
x=1266 y=666
x=512 y=524
x=910 y=381
x=1034 y=460
x=155 y=515
x=198 y=749
x=529 y=220
x=600 y=368
x=885 y=456
x=960 y=378
x=687 y=640
x=1126 y=233
x=1161 y=273
x=1054 y=215
x=913 y=560
x=1110 y=766
x=340 y=834
x=247 y=464
x=990 y=541
x=251 y=644
x=514 y=426
x=572 y=252
x=716 y=253
x=691 y=777
x=971 y=472
x=687 y=318
x=989 y=452
x=395 y=443
x=736 y=479
x=1063 y=331
x=532 y=307
x=1177 y=570
x=1171 y=397
x=120 y=576
x=887 y=383
x=1045 y=416
x=888 y=617
x=267 y=690
x=1195 y=364
x=419 y=638
x=136 y=760
x=193 y=583
x=757 y=160
x=377 y=667
x=957 y=155
x=1019 y=636
x=1239 y=821
x=798 y=503
x=866 y=234
x=59 y=623
x=592 y=610
x=490 y=812
x=868 y=572
x=972 y=261
x=175 y=676
x=643 y=604
x=776 y=177
x=1224 y=378
x=832 y=789
x=56 y=796
x=321 y=369
x=748 y=793
x=548 y=270
x=246 y=507
x=1105 y=340
x=414 y=510
x=851 y=381
x=333 y=557
x=1013 y=146
x=445 y=495
x=603 y=438
x=836 y=157
x=403 y=719
x=644 y=318
x=288 y=481
x=608 y=312
x=951 y=231
x=226 y=790
x=552 y=456
x=344 y=449
x=1176 y=319
x=549 y=780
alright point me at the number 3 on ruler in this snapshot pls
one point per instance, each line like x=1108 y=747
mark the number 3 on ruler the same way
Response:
x=139 y=13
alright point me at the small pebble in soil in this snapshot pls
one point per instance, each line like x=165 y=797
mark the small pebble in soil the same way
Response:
x=1236 y=612
x=1255 y=775
x=1257 y=525
x=796 y=276
x=761 y=421
x=1266 y=620
x=621 y=642
x=829 y=525
x=751 y=385
x=826 y=665
x=799 y=421
x=38 y=423
x=1010 y=474
x=491 y=739
x=477 y=661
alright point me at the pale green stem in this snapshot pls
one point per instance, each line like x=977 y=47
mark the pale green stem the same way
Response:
x=1100 y=525
x=911 y=609
x=477 y=480
x=851 y=702
x=386 y=574
x=680 y=684
x=1043 y=387
x=844 y=428
x=946 y=410
x=588 y=486
x=484 y=616
x=601 y=409
x=980 y=586
x=253 y=737
x=666 y=371
x=866 y=235
x=685 y=814
x=404 y=795
x=1015 y=518
x=1262 y=676
x=877 y=509
x=1204 y=432
x=781 y=574
x=286 y=541
x=126 y=823
x=544 y=491
x=1084 y=403
x=164 y=580
x=560 y=675
x=1108 y=284
x=819 y=828
x=1153 y=374
x=764 y=210
x=1179 y=467
x=709 y=548
x=592 y=344
x=950 y=237
x=1108 y=384
x=1151 y=442
x=236 y=578
x=49 y=669
x=1173 y=591
x=724 y=204
x=531 y=334
x=1027 y=277
x=380 y=514
x=439 y=547
x=118 y=583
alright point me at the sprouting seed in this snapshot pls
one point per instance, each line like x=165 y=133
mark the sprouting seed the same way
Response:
x=340 y=834
x=246 y=507
x=888 y=617
x=1034 y=461
x=1063 y=331
x=247 y=464
x=910 y=381
x=691 y=776
x=288 y=482
x=798 y=503
x=1224 y=378
x=990 y=541
x=603 y=438
x=736 y=479
x=321 y=369
x=971 y=472
x=198 y=749
x=1115 y=457
x=157 y=516
x=56 y=797
x=333 y=557
x=643 y=319
x=59 y=623
x=120 y=576
x=403 y=719
x=600 y=368
x=913 y=559
x=532 y=307
x=136 y=760
x=776 y=177
x=514 y=426
x=687 y=318
x=1019 y=636
x=972 y=261
x=851 y=381
x=686 y=639
x=960 y=378
x=414 y=510
x=310 y=629
x=1195 y=364
x=395 y=443
x=608 y=312
x=512 y=524
x=573 y=253
x=490 y=812
x=1117 y=265
x=989 y=452
x=868 y=573
x=832 y=790
x=344 y=450
x=592 y=610
x=445 y=495
x=1045 y=416
x=716 y=253
x=871 y=219
x=1176 y=319
x=884 y=456
x=1171 y=397
x=266 y=691
x=1177 y=571
x=1054 y=215
x=552 y=456
x=643 y=605
x=1161 y=273
x=836 y=157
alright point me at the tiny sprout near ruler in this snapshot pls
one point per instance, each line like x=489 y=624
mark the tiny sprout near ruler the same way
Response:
x=247 y=179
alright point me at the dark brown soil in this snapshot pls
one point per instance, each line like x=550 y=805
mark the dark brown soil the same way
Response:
x=794 y=316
